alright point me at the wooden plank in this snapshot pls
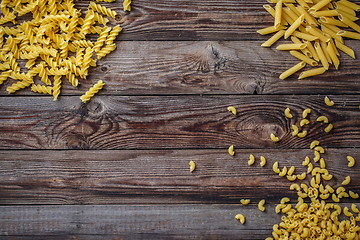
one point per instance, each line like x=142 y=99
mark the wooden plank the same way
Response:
x=158 y=177
x=169 y=68
x=192 y=20
x=168 y=122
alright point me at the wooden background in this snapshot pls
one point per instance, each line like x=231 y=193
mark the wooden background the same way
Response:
x=117 y=167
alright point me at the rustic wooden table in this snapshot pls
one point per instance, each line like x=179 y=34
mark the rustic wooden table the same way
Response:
x=117 y=167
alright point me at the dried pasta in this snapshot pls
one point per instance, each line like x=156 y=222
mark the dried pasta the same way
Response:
x=232 y=109
x=92 y=91
x=351 y=161
x=251 y=159
x=261 y=205
x=241 y=218
x=328 y=101
x=262 y=161
x=274 y=138
x=231 y=150
x=245 y=201
x=192 y=166
x=287 y=113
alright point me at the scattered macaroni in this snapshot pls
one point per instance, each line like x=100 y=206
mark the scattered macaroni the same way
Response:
x=261 y=205
x=329 y=102
x=322 y=119
x=262 y=161
x=192 y=166
x=287 y=113
x=231 y=150
x=304 y=122
x=306 y=112
x=295 y=130
x=351 y=161
x=232 y=109
x=274 y=138
x=302 y=134
x=329 y=128
x=353 y=195
x=319 y=149
x=306 y=161
x=346 y=181
x=314 y=144
x=241 y=218
x=251 y=159
x=245 y=201
x=275 y=167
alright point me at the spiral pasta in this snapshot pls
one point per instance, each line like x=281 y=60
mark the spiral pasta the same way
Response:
x=103 y=10
x=41 y=89
x=92 y=91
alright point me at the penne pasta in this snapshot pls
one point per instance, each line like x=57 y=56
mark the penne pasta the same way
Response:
x=293 y=8
x=313 y=72
x=348 y=34
x=349 y=23
x=273 y=39
x=345 y=49
x=324 y=48
x=291 y=46
x=305 y=51
x=351 y=17
x=331 y=51
x=270 y=10
x=284 y=1
x=309 y=19
x=331 y=33
x=321 y=55
x=303 y=4
x=269 y=30
x=326 y=13
x=316 y=32
x=351 y=5
x=294 y=26
x=292 y=70
x=312 y=50
x=334 y=47
x=320 y=5
x=304 y=58
x=290 y=14
x=305 y=36
x=332 y=21
x=343 y=8
x=278 y=11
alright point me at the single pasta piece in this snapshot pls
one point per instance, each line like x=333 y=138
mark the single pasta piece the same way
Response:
x=292 y=70
x=295 y=130
x=284 y=200
x=317 y=156
x=241 y=218
x=301 y=176
x=283 y=172
x=322 y=119
x=251 y=159
x=346 y=181
x=262 y=202
x=291 y=178
x=346 y=212
x=306 y=112
x=313 y=72
x=278 y=13
x=92 y=91
x=232 y=109
x=287 y=113
x=304 y=58
x=41 y=89
x=291 y=171
x=126 y=5
x=306 y=161
x=353 y=195
x=329 y=102
x=275 y=167
x=319 y=149
x=321 y=55
x=273 y=39
x=294 y=26
x=262 y=161
x=274 y=138
x=304 y=122
x=302 y=134
x=192 y=166
x=345 y=48
x=354 y=208
x=351 y=161
x=245 y=201
x=269 y=30
x=310 y=167
x=329 y=128
x=231 y=150
x=322 y=163
x=313 y=144
x=332 y=54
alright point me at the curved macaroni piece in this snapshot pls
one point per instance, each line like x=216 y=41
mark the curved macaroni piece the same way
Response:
x=291 y=171
x=245 y=201
x=346 y=181
x=313 y=183
x=262 y=161
x=279 y=207
x=354 y=208
x=320 y=149
x=274 y=138
x=340 y=190
x=349 y=158
x=306 y=161
x=251 y=160
x=302 y=134
x=42 y=89
x=306 y=112
x=314 y=144
x=192 y=166
x=324 y=196
x=343 y=194
x=327 y=177
x=291 y=178
x=275 y=167
x=335 y=198
x=287 y=113
x=283 y=172
x=295 y=186
x=231 y=150
x=301 y=176
x=232 y=109
x=241 y=218
x=353 y=195
x=261 y=205
x=317 y=156
x=310 y=168
x=304 y=122
x=329 y=188
x=295 y=130
x=287 y=208
x=322 y=163
x=328 y=101
x=347 y=213
x=322 y=119
x=92 y=91
x=329 y=128
x=285 y=200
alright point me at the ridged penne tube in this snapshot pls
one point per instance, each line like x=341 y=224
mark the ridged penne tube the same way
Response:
x=332 y=21
x=261 y=205
x=232 y=109
x=351 y=161
x=349 y=23
x=273 y=39
x=241 y=218
x=192 y=166
x=291 y=46
x=325 y=13
x=316 y=32
x=303 y=58
x=290 y=14
x=305 y=51
x=321 y=55
x=294 y=26
x=245 y=201
x=319 y=5
x=332 y=54
x=305 y=36
x=295 y=130
x=269 y=30
x=345 y=49
x=349 y=16
x=348 y=34
x=313 y=72
x=231 y=150
x=351 y=5
x=331 y=33
x=251 y=160
x=287 y=113
x=278 y=12
x=270 y=10
x=275 y=167
x=308 y=18
x=262 y=161
x=274 y=138
x=292 y=70
x=312 y=50
x=339 y=6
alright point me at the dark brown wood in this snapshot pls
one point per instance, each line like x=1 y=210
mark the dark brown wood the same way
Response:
x=169 y=68
x=158 y=177
x=173 y=122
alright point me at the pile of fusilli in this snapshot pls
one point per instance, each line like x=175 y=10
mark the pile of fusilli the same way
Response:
x=53 y=43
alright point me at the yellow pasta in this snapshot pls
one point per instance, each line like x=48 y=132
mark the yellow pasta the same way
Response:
x=353 y=195
x=295 y=130
x=322 y=119
x=306 y=161
x=231 y=150
x=262 y=161
x=332 y=54
x=304 y=58
x=273 y=39
x=329 y=128
x=322 y=163
x=302 y=134
x=287 y=113
x=269 y=30
x=92 y=91
x=301 y=176
x=310 y=168
x=245 y=201
x=294 y=26
x=261 y=205
x=328 y=102
x=251 y=159
x=278 y=12
x=292 y=70
x=274 y=138
x=192 y=166
x=126 y=5
x=306 y=112
x=354 y=208
x=283 y=172
x=319 y=149
x=310 y=73
x=241 y=218
x=275 y=167
x=345 y=49
x=346 y=181
x=351 y=161
x=232 y=109
x=304 y=122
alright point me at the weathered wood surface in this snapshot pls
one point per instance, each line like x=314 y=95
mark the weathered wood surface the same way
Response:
x=173 y=122
x=158 y=177
x=181 y=67
x=136 y=222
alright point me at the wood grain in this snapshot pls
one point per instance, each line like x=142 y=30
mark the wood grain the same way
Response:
x=158 y=176
x=179 y=67
x=173 y=122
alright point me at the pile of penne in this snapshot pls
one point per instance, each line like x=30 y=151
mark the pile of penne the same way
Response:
x=313 y=27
